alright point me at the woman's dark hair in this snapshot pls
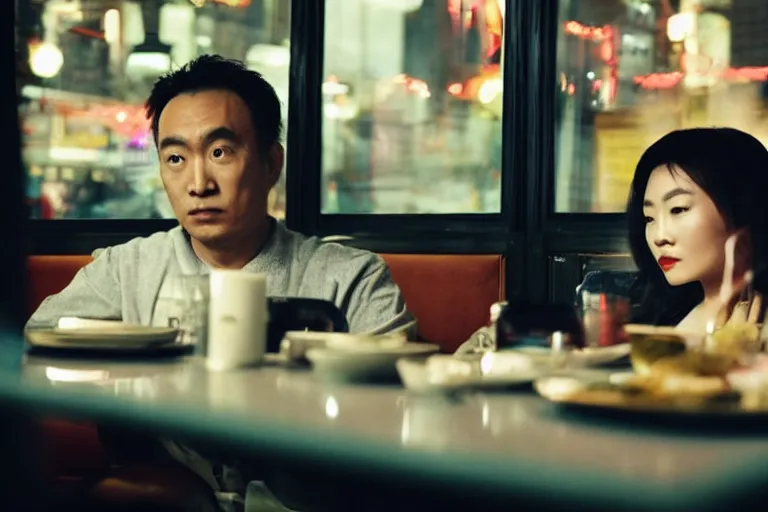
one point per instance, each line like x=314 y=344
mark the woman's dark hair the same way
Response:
x=731 y=167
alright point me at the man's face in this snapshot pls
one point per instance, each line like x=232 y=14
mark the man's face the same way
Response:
x=216 y=178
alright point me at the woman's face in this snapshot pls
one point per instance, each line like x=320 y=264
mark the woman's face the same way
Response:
x=684 y=230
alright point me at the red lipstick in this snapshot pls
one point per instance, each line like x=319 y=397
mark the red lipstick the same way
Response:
x=667 y=263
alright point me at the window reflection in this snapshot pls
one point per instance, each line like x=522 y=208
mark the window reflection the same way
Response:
x=86 y=69
x=412 y=106
x=631 y=71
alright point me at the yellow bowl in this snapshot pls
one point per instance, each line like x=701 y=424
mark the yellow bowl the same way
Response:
x=683 y=352
x=649 y=344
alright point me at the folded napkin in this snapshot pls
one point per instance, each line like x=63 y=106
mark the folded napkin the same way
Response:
x=73 y=322
x=483 y=340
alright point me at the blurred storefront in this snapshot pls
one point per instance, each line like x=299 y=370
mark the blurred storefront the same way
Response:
x=412 y=94
x=412 y=113
x=631 y=71
x=87 y=68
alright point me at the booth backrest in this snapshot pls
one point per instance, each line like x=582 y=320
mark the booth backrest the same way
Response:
x=450 y=295
x=47 y=275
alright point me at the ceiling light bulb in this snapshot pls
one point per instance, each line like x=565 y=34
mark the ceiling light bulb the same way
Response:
x=45 y=60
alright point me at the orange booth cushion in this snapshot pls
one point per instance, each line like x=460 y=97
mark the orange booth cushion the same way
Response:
x=72 y=449
x=47 y=275
x=450 y=295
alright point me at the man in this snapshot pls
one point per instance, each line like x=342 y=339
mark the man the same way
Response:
x=217 y=128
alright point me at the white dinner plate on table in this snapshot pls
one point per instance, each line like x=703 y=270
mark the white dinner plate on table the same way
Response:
x=364 y=364
x=127 y=338
x=295 y=344
x=580 y=358
x=445 y=373
x=597 y=356
x=604 y=391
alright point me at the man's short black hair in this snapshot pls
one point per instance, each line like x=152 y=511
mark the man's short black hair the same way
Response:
x=209 y=72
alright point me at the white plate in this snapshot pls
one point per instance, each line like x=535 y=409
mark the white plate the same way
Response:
x=295 y=344
x=578 y=358
x=447 y=373
x=596 y=356
x=602 y=391
x=124 y=338
x=368 y=364
x=74 y=322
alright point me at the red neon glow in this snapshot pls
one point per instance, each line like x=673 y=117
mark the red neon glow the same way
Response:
x=454 y=9
x=607 y=50
x=575 y=28
x=126 y=120
x=233 y=3
x=605 y=36
x=485 y=16
x=494 y=22
x=659 y=80
x=669 y=80
x=413 y=85
x=456 y=88
x=608 y=54
x=753 y=74
x=419 y=87
x=613 y=85
x=87 y=32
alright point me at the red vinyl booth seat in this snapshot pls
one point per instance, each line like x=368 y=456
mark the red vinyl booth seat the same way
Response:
x=450 y=295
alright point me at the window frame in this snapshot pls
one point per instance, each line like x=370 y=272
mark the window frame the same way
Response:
x=564 y=232
x=12 y=208
x=455 y=232
x=526 y=230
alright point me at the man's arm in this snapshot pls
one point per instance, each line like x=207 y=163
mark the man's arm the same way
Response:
x=375 y=304
x=93 y=293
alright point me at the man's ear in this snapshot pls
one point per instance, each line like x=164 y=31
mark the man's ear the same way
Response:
x=275 y=162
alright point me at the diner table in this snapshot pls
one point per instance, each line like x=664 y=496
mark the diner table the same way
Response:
x=508 y=448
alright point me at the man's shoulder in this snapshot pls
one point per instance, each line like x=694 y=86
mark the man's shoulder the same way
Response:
x=314 y=251
x=141 y=247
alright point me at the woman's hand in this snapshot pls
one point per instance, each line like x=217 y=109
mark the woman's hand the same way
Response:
x=748 y=308
x=739 y=304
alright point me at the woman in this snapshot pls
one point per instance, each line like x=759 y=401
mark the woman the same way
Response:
x=692 y=191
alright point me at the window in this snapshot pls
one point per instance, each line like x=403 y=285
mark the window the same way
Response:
x=631 y=71
x=87 y=67
x=412 y=97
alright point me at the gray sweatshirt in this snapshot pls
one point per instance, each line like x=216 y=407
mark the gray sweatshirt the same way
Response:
x=128 y=282
x=125 y=282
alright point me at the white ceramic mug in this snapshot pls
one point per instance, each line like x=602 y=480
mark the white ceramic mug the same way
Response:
x=237 y=319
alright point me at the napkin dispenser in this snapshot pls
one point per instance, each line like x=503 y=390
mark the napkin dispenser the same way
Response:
x=524 y=324
x=301 y=314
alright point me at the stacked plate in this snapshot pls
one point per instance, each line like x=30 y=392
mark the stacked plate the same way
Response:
x=104 y=336
x=506 y=368
x=353 y=357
